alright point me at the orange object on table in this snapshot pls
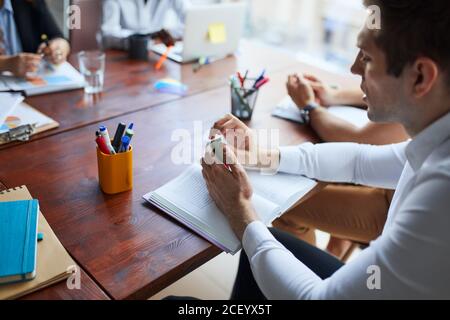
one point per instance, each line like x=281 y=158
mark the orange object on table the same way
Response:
x=163 y=58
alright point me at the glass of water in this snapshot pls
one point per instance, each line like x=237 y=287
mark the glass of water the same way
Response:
x=92 y=67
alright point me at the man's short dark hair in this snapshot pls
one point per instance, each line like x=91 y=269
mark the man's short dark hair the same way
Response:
x=411 y=29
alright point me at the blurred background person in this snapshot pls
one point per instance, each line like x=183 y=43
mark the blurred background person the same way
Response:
x=29 y=32
x=122 y=18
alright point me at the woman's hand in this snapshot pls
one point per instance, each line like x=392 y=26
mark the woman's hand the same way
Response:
x=325 y=95
x=22 y=63
x=300 y=91
x=165 y=37
x=56 y=51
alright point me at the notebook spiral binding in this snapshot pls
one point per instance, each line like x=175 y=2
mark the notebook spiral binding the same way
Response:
x=11 y=189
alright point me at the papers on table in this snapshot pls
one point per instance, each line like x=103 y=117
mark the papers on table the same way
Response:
x=287 y=109
x=24 y=114
x=49 y=79
x=8 y=103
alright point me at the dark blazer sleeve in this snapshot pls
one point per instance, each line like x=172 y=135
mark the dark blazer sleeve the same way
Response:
x=33 y=18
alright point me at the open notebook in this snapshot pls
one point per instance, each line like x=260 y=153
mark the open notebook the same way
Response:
x=186 y=199
x=52 y=262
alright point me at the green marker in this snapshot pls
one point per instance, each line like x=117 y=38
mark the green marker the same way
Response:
x=129 y=132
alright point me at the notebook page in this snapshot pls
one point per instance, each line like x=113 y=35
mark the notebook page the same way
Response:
x=189 y=194
x=281 y=188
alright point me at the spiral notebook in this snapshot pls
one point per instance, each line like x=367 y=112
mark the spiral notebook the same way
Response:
x=52 y=260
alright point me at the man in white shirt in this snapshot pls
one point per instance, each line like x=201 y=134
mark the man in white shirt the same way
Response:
x=122 y=18
x=405 y=72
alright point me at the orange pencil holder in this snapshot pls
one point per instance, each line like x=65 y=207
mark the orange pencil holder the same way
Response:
x=115 y=172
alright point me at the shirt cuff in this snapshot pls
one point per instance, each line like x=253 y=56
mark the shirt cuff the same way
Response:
x=255 y=233
x=288 y=159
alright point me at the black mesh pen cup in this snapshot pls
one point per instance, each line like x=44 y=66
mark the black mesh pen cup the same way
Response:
x=243 y=101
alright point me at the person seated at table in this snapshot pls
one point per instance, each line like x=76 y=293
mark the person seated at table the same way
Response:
x=122 y=18
x=23 y=25
x=339 y=209
x=406 y=79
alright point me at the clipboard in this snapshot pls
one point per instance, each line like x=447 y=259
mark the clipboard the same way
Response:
x=23 y=123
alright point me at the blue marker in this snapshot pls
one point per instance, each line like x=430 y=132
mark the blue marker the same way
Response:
x=125 y=144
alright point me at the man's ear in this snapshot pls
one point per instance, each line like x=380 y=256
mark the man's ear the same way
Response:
x=425 y=73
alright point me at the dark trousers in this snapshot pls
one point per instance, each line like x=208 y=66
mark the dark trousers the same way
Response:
x=320 y=262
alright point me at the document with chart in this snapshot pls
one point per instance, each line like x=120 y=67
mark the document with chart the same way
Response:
x=47 y=80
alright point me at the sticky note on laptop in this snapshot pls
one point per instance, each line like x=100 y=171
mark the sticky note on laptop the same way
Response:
x=217 y=33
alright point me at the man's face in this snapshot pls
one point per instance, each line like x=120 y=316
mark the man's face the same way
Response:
x=383 y=92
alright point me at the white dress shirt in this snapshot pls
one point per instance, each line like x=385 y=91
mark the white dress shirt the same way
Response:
x=413 y=251
x=122 y=18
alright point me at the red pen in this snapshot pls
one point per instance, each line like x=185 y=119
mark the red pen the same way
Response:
x=241 y=80
x=101 y=143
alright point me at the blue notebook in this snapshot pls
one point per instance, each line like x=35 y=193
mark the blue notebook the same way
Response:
x=18 y=240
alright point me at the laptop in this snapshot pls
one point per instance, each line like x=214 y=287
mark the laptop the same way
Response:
x=225 y=20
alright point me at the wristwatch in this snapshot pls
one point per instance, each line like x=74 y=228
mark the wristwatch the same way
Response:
x=307 y=109
x=310 y=106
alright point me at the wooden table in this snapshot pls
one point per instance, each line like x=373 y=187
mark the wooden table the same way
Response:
x=130 y=248
x=129 y=85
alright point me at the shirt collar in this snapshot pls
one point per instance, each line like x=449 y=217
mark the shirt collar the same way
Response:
x=7 y=6
x=426 y=141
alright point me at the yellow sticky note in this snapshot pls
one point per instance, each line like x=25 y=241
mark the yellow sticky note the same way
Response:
x=217 y=33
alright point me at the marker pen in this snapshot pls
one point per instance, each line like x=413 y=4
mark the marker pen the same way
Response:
x=104 y=133
x=101 y=143
x=125 y=144
x=129 y=132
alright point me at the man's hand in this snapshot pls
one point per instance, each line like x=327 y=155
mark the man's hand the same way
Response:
x=56 y=51
x=237 y=134
x=230 y=190
x=300 y=90
x=243 y=143
x=165 y=37
x=22 y=64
